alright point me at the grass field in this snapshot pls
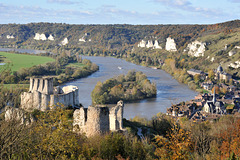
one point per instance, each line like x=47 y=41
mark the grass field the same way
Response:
x=18 y=61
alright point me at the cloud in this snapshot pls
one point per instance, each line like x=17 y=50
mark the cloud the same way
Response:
x=27 y=14
x=110 y=14
x=175 y=3
x=187 y=7
x=69 y=2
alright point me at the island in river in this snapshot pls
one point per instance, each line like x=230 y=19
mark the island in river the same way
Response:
x=131 y=87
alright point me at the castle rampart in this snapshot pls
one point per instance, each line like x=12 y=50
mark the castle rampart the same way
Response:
x=42 y=95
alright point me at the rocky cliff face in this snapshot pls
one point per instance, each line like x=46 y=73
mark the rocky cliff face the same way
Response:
x=235 y=65
x=149 y=44
x=51 y=38
x=142 y=44
x=156 y=45
x=40 y=37
x=43 y=37
x=170 y=45
x=196 y=49
x=65 y=41
x=82 y=39
x=10 y=37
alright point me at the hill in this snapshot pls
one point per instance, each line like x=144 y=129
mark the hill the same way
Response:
x=145 y=44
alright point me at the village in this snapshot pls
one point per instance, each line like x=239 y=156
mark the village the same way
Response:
x=222 y=97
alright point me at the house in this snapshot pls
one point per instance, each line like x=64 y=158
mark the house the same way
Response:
x=198 y=116
x=221 y=75
x=207 y=85
x=194 y=72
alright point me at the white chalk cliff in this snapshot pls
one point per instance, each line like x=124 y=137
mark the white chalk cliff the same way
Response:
x=64 y=42
x=238 y=47
x=51 y=38
x=231 y=53
x=149 y=44
x=196 y=49
x=156 y=45
x=235 y=64
x=142 y=44
x=170 y=45
x=82 y=39
x=40 y=37
x=212 y=59
x=10 y=37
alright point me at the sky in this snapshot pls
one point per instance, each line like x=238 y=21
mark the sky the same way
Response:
x=119 y=11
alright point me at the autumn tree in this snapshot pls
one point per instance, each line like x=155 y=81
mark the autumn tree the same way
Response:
x=201 y=138
x=211 y=75
x=230 y=140
x=51 y=137
x=176 y=145
x=197 y=78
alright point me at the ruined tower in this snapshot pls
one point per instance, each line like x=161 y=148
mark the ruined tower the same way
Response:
x=116 y=116
x=98 y=119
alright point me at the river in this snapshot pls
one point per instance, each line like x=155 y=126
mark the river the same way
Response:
x=169 y=91
x=31 y=51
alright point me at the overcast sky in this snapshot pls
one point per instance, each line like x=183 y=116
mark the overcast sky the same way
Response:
x=119 y=11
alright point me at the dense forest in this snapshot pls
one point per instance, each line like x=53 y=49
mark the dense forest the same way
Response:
x=130 y=87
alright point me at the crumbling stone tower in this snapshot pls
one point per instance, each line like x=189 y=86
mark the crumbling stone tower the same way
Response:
x=98 y=119
x=116 y=116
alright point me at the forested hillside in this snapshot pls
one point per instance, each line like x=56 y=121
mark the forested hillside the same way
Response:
x=105 y=36
x=123 y=41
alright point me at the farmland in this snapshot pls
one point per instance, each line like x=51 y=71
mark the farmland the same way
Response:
x=18 y=61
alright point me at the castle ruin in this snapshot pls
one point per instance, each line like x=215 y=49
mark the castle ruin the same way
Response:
x=92 y=120
x=42 y=95
x=98 y=119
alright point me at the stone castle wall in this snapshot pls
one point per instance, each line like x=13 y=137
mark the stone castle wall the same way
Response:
x=92 y=120
x=98 y=120
x=42 y=95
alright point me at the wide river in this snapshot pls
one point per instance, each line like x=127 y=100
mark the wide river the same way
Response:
x=169 y=91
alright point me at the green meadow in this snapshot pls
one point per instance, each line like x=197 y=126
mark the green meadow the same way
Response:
x=18 y=61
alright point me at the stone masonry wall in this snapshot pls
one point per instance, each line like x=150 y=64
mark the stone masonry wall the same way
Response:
x=42 y=95
x=116 y=116
x=98 y=120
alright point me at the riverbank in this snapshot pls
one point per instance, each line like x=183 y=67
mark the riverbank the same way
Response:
x=169 y=66
x=169 y=91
